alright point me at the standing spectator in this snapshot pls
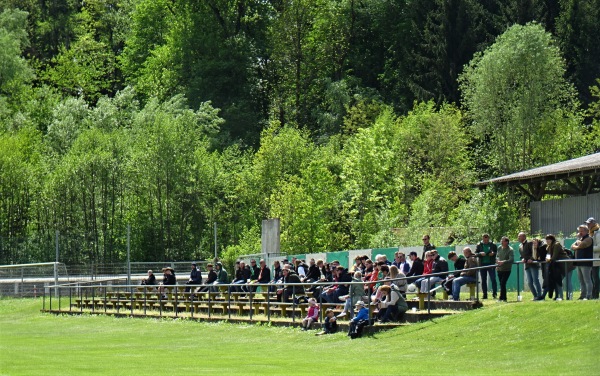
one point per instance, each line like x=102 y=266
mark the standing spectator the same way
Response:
x=595 y=235
x=466 y=276
x=583 y=248
x=556 y=271
x=401 y=263
x=540 y=249
x=427 y=246
x=312 y=315
x=486 y=251
x=504 y=259
x=532 y=268
x=195 y=277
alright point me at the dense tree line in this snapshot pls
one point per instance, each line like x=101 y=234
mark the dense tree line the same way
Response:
x=346 y=119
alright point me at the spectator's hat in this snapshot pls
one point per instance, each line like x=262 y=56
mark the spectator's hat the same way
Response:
x=360 y=303
x=209 y=265
x=219 y=263
x=590 y=220
x=193 y=263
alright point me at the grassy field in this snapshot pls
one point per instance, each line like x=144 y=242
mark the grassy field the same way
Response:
x=547 y=338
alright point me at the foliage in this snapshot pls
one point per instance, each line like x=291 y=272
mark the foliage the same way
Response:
x=14 y=69
x=514 y=92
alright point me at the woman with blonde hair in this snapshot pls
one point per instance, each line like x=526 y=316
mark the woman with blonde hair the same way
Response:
x=400 y=283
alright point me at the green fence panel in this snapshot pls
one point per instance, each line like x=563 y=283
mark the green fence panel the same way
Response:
x=388 y=252
x=341 y=256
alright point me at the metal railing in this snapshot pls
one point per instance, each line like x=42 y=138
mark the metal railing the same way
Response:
x=94 y=292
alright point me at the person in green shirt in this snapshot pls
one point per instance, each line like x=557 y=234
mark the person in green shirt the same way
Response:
x=486 y=252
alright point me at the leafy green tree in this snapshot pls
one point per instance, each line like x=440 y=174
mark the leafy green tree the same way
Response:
x=577 y=31
x=14 y=69
x=512 y=91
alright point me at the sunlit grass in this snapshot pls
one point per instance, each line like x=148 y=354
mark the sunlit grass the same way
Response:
x=502 y=338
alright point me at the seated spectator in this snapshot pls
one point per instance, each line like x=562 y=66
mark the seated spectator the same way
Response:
x=263 y=277
x=391 y=305
x=427 y=268
x=288 y=290
x=356 y=294
x=222 y=277
x=210 y=279
x=312 y=315
x=195 y=277
x=301 y=269
x=359 y=321
x=169 y=279
x=313 y=274
x=330 y=325
x=439 y=265
x=417 y=267
x=467 y=276
x=400 y=263
x=151 y=280
x=369 y=270
x=332 y=294
x=242 y=275
x=399 y=283
x=459 y=264
x=358 y=266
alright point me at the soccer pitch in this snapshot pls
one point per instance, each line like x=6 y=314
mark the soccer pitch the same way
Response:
x=532 y=338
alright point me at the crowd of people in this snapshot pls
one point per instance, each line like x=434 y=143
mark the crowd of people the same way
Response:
x=384 y=284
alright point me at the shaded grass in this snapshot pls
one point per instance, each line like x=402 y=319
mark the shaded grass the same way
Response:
x=515 y=338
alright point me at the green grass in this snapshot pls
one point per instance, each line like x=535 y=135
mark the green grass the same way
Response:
x=545 y=338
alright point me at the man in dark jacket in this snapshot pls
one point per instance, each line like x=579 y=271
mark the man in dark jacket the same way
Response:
x=287 y=291
x=416 y=268
x=486 y=252
x=427 y=246
x=532 y=270
x=459 y=264
x=195 y=277
x=332 y=294
x=313 y=272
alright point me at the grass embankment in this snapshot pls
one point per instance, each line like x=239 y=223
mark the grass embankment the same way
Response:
x=516 y=338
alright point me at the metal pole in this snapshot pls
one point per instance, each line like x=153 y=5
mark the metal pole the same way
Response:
x=215 y=233
x=519 y=297
x=56 y=266
x=128 y=255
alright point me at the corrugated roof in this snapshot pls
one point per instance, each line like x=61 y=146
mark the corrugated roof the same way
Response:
x=590 y=164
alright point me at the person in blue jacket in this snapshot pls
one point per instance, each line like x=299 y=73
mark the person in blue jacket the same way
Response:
x=359 y=321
